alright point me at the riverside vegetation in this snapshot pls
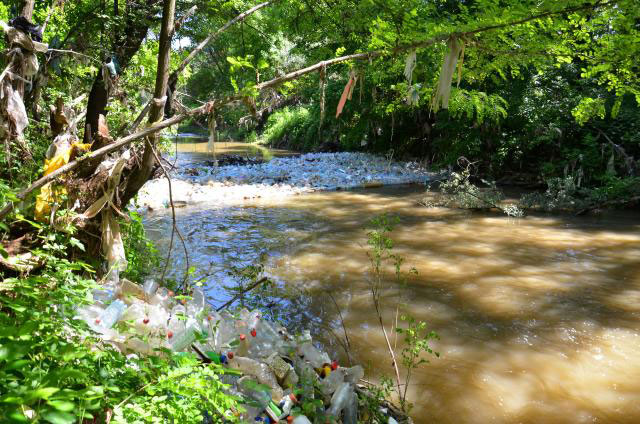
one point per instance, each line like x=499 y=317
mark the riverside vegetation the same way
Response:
x=537 y=92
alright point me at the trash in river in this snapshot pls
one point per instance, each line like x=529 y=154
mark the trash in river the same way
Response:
x=273 y=372
x=280 y=177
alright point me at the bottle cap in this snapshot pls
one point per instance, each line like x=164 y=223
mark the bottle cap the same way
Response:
x=242 y=337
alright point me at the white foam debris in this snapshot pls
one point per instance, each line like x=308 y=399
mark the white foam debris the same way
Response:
x=280 y=177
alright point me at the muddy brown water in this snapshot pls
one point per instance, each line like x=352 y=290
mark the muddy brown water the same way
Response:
x=538 y=317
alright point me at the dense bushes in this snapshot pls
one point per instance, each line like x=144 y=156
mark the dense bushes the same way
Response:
x=53 y=370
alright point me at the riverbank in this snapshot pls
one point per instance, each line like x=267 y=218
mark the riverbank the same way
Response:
x=280 y=177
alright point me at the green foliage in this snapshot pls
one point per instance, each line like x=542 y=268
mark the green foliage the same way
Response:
x=291 y=127
x=459 y=192
x=142 y=256
x=53 y=368
x=416 y=340
x=587 y=109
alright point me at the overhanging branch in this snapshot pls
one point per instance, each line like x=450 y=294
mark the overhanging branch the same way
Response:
x=267 y=84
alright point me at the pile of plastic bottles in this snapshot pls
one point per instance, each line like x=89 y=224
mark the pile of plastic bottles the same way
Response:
x=277 y=371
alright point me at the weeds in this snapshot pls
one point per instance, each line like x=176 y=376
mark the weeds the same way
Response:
x=416 y=340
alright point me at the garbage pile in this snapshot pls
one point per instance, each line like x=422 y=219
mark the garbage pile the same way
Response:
x=275 y=371
x=280 y=177
x=326 y=171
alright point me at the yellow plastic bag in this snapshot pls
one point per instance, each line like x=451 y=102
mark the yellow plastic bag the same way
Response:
x=48 y=193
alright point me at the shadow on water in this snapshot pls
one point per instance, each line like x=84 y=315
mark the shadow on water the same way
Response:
x=538 y=317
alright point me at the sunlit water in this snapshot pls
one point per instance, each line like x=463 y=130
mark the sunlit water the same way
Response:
x=538 y=317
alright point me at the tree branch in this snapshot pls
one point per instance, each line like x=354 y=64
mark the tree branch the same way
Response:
x=153 y=128
x=213 y=36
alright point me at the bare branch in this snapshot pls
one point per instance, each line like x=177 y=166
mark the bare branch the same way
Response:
x=184 y=18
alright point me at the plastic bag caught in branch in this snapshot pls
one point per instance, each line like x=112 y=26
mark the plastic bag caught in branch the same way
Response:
x=443 y=90
x=346 y=93
x=15 y=110
x=112 y=245
x=410 y=65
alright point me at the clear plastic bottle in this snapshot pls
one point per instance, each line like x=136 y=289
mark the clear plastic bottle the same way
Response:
x=105 y=294
x=354 y=374
x=248 y=387
x=225 y=331
x=339 y=400
x=112 y=314
x=260 y=371
x=183 y=338
x=350 y=412
x=150 y=287
x=161 y=298
x=196 y=305
x=243 y=345
x=301 y=419
x=128 y=291
x=310 y=353
x=330 y=384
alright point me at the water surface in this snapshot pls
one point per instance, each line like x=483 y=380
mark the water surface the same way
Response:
x=538 y=317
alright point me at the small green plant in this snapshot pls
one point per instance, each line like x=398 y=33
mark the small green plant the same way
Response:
x=416 y=339
x=380 y=255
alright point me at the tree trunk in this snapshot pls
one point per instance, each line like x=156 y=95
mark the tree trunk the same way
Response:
x=27 y=9
x=135 y=29
x=141 y=174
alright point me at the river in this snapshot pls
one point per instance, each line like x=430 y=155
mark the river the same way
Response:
x=538 y=316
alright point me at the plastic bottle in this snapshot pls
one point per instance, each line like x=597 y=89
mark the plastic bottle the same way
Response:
x=150 y=287
x=197 y=303
x=286 y=404
x=243 y=346
x=309 y=352
x=225 y=331
x=258 y=370
x=112 y=314
x=265 y=341
x=340 y=399
x=350 y=412
x=161 y=298
x=183 y=338
x=354 y=374
x=104 y=294
x=301 y=419
x=129 y=290
x=113 y=277
x=247 y=386
x=331 y=383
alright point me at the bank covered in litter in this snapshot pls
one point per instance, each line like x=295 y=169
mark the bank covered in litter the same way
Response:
x=276 y=371
x=280 y=177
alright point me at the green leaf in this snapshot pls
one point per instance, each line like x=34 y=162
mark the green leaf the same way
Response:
x=59 y=417
x=43 y=393
x=76 y=243
x=17 y=364
x=62 y=405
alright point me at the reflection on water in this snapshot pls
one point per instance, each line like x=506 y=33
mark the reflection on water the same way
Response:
x=538 y=317
x=195 y=150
